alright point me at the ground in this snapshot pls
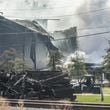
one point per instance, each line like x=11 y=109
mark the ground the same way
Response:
x=95 y=98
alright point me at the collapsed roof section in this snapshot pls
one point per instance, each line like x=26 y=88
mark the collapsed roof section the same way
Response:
x=66 y=40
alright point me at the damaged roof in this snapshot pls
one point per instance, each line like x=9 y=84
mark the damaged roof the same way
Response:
x=30 y=25
x=25 y=27
x=33 y=25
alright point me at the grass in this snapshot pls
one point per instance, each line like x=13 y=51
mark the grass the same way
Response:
x=92 y=98
x=95 y=98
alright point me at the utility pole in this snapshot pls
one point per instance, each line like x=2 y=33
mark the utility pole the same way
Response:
x=102 y=95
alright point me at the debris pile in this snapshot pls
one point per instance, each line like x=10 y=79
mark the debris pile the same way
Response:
x=36 y=85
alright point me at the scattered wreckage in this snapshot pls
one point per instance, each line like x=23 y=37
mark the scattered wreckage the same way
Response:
x=35 y=85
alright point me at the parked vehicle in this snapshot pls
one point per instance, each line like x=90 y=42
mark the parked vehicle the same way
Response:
x=87 y=85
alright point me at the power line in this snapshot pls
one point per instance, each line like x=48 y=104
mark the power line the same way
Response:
x=82 y=13
x=106 y=32
x=82 y=36
x=89 y=28
x=88 y=35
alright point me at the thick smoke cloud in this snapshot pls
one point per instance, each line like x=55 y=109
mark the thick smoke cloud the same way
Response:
x=95 y=45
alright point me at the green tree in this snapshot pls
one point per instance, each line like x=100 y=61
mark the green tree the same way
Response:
x=77 y=67
x=12 y=61
x=20 y=65
x=106 y=64
x=8 y=57
x=55 y=59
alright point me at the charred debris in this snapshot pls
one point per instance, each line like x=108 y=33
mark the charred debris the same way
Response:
x=36 y=85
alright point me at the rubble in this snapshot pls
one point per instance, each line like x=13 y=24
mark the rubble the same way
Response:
x=39 y=85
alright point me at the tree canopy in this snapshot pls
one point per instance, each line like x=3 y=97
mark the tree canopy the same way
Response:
x=11 y=61
x=55 y=59
x=77 y=66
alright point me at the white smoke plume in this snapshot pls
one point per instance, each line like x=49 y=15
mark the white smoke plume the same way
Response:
x=79 y=54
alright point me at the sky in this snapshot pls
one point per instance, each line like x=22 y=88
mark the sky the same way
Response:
x=89 y=16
